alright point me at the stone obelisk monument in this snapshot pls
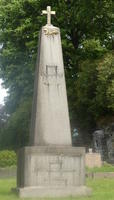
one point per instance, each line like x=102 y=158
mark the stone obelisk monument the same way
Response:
x=50 y=166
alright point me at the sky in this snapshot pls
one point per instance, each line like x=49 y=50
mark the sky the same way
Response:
x=3 y=93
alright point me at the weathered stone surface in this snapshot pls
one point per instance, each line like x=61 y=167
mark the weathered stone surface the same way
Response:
x=50 y=118
x=104 y=142
x=50 y=167
x=56 y=166
x=54 y=192
x=93 y=160
x=51 y=171
x=100 y=175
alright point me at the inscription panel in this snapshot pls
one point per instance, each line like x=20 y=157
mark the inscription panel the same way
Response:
x=53 y=170
x=51 y=75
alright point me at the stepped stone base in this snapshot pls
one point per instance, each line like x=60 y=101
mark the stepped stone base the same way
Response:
x=51 y=171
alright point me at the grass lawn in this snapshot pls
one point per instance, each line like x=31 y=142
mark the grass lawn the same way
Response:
x=105 y=168
x=102 y=190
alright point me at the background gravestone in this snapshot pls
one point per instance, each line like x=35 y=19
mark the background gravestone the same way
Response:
x=103 y=141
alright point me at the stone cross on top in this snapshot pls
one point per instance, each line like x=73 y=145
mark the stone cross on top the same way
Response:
x=49 y=13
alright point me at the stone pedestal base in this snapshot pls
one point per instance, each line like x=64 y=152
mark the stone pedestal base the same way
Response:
x=48 y=171
x=54 y=192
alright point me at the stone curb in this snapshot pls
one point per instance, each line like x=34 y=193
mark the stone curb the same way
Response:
x=8 y=172
x=100 y=175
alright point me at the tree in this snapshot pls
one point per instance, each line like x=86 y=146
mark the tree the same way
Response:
x=17 y=128
x=3 y=116
x=94 y=92
x=20 y=22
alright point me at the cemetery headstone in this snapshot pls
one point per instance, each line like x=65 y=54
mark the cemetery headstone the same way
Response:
x=93 y=159
x=50 y=166
x=103 y=141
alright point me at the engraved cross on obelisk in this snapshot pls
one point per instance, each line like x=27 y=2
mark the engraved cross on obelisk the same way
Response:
x=48 y=12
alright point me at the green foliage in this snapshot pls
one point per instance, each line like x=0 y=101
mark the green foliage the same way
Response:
x=3 y=116
x=92 y=49
x=94 y=90
x=105 y=86
x=86 y=30
x=17 y=128
x=7 y=158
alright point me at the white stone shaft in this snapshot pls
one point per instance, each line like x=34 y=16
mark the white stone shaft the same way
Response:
x=50 y=118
